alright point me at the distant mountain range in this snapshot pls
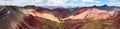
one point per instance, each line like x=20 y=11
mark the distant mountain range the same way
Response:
x=76 y=12
x=55 y=14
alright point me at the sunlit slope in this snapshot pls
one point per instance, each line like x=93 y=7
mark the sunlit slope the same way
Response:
x=49 y=16
x=90 y=13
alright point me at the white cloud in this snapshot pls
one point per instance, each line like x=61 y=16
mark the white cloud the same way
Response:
x=41 y=2
x=94 y=1
x=114 y=3
x=97 y=2
x=36 y=2
x=56 y=2
x=53 y=2
x=81 y=4
x=87 y=0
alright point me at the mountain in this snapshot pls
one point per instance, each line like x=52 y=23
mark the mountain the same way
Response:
x=8 y=15
x=12 y=17
x=89 y=12
x=115 y=24
x=40 y=9
x=88 y=18
x=60 y=12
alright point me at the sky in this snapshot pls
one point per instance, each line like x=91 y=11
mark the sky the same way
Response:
x=61 y=2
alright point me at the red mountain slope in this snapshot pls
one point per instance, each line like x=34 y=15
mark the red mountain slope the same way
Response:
x=87 y=12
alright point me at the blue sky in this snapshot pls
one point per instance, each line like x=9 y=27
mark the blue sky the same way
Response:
x=60 y=2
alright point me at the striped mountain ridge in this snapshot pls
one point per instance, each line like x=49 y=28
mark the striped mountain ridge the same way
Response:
x=31 y=17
